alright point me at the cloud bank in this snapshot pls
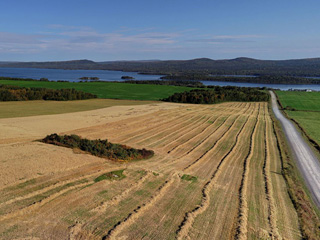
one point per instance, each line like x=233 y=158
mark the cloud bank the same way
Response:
x=75 y=41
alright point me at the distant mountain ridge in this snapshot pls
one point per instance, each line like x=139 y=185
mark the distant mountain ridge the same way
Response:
x=237 y=66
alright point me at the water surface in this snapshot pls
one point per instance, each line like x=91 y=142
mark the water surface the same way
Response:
x=106 y=75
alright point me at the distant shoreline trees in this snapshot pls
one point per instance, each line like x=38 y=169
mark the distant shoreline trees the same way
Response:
x=266 y=79
x=15 y=93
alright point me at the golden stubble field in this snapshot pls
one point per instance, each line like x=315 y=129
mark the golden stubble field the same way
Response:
x=216 y=174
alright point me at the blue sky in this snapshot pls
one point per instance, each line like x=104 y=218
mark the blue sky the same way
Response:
x=100 y=30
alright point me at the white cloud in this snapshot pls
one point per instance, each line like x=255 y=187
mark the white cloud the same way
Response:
x=227 y=38
x=72 y=41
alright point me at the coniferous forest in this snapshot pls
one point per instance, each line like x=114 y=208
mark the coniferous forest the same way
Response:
x=15 y=93
x=216 y=94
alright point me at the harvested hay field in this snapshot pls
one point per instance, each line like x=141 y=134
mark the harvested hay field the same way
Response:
x=216 y=174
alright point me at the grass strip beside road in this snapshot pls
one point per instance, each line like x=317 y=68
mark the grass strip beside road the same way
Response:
x=307 y=211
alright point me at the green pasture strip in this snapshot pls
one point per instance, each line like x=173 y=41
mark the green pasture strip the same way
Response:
x=108 y=89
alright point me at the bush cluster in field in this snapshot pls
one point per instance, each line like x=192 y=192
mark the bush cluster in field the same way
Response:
x=189 y=178
x=15 y=93
x=100 y=148
x=216 y=94
x=114 y=175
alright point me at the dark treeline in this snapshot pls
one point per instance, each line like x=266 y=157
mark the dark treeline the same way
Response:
x=205 y=66
x=15 y=93
x=268 y=79
x=183 y=83
x=100 y=148
x=24 y=79
x=216 y=94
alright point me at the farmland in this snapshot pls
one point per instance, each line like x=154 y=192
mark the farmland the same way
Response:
x=306 y=112
x=216 y=174
x=107 y=89
x=38 y=107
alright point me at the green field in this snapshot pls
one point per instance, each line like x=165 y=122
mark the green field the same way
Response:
x=34 y=108
x=310 y=121
x=108 y=89
x=307 y=112
x=300 y=100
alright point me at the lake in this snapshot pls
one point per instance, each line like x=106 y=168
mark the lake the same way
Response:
x=106 y=75
x=72 y=75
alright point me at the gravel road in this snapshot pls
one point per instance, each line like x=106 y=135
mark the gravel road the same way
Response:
x=308 y=162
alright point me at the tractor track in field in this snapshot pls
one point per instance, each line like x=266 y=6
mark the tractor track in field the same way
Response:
x=67 y=184
x=213 y=120
x=213 y=145
x=139 y=210
x=197 y=145
x=144 y=124
x=158 y=127
x=272 y=219
x=193 y=136
x=116 y=199
x=77 y=228
x=124 y=123
x=37 y=204
x=242 y=229
x=186 y=224
x=51 y=187
x=140 y=132
x=181 y=130
x=171 y=130
x=178 y=145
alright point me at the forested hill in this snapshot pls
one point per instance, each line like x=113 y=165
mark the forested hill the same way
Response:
x=237 y=66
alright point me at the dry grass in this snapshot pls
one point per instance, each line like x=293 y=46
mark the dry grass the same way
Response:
x=216 y=174
x=36 y=108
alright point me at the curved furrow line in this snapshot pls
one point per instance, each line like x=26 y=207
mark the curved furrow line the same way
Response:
x=77 y=228
x=172 y=161
x=203 y=130
x=222 y=124
x=151 y=120
x=202 y=120
x=115 y=200
x=53 y=186
x=129 y=122
x=74 y=230
x=140 y=132
x=242 y=228
x=171 y=130
x=193 y=136
x=145 y=123
x=272 y=218
x=35 y=205
x=158 y=127
x=212 y=148
x=211 y=119
x=123 y=128
x=186 y=224
x=139 y=210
